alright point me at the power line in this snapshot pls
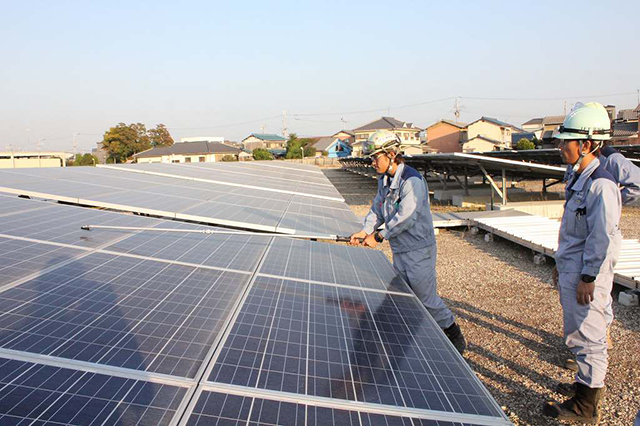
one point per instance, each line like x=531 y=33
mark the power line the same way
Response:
x=548 y=99
x=375 y=110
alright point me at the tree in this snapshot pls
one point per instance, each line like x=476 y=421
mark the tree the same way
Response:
x=122 y=141
x=524 y=144
x=160 y=136
x=229 y=158
x=261 y=154
x=84 y=160
x=295 y=146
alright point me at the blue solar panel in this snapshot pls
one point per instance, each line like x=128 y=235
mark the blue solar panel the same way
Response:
x=347 y=344
x=215 y=408
x=120 y=311
x=42 y=395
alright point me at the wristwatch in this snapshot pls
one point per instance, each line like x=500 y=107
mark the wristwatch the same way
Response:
x=378 y=237
x=587 y=278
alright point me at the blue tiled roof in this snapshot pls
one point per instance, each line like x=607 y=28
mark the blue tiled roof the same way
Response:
x=268 y=137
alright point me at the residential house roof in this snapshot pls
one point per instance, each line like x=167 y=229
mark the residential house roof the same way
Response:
x=533 y=122
x=386 y=123
x=496 y=122
x=185 y=148
x=266 y=137
x=625 y=129
x=324 y=143
x=553 y=119
x=637 y=108
x=627 y=115
x=452 y=123
x=486 y=139
x=349 y=132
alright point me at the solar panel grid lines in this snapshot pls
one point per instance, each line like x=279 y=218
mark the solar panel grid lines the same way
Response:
x=49 y=395
x=358 y=348
x=166 y=329
x=232 y=405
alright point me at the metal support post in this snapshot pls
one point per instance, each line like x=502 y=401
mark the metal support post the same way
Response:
x=504 y=187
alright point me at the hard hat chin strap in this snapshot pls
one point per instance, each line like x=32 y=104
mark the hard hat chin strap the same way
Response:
x=583 y=154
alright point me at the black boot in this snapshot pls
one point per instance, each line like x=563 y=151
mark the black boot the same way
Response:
x=454 y=334
x=582 y=407
x=566 y=389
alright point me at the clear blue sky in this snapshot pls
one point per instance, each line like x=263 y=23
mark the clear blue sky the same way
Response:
x=203 y=67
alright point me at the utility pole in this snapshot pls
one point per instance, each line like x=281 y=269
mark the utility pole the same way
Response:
x=75 y=145
x=28 y=142
x=456 y=110
x=40 y=152
x=262 y=127
x=285 y=131
x=13 y=158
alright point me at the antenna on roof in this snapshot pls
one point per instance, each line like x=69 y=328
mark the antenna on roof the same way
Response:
x=262 y=127
x=456 y=109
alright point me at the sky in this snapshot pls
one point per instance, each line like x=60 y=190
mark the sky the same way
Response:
x=73 y=69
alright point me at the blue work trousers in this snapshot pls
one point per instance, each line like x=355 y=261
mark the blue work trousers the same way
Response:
x=418 y=268
x=585 y=326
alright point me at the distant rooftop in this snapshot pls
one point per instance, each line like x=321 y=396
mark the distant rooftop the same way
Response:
x=496 y=122
x=459 y=125
x=386 y=123
x=533 y=122
x=266 y=137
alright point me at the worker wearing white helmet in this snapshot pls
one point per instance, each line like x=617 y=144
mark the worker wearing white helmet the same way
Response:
x=588 y=249
x=402 y=205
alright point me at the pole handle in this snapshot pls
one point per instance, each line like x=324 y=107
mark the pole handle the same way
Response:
x=344 y=239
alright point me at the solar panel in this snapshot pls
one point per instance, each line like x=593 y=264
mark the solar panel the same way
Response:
x=187 y=200
x=217 y=408
x=40 y=394
x=23 y=258
x=121 y=311
x=301 y=331
x=342 y=343
x=331 y=264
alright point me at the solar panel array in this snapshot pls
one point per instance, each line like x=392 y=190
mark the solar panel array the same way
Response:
x=253 y=199
x=156 y=328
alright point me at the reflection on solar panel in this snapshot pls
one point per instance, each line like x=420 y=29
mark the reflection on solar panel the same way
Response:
x=121 y=311
x=349 y=344
x=216 y=408
x=46 y=395
x=112 y=327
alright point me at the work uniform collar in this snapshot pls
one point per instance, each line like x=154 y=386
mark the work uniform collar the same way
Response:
x=586 y=173
x=395 y=180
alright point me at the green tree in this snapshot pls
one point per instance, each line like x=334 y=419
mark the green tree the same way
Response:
x=122 y=141
x=229 y=158
x=85 y=160
x=261 y=154
x=296 y=145
x=160 y=136
x=524 y=144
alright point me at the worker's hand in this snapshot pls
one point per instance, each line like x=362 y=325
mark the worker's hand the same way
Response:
x=585 y=292
x=357 y=237
x=554 y=276
x=370 y=241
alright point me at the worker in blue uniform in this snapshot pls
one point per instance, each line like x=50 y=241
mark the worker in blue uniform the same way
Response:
x=627 y=176
x=402 y=205
x=588 y=249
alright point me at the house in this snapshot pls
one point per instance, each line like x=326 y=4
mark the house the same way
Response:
x=444 y=136
x=333 y=146
x=346 y=136
x=625 y=133
x=100 y=153
x=534 y=126
x=550 y=126
x=491 y=129
x=408 y=133
x=480 y=143
x=30 y=159
x=187 y=152
x=264 y=140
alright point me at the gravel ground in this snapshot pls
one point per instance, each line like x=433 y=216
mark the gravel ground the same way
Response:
x=509 y=311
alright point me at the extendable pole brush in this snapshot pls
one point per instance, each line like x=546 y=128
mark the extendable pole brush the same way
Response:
x=337 y=238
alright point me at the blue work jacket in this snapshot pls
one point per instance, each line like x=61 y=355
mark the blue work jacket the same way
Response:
x=589 y=240
x=625 y=173
x=402 y=204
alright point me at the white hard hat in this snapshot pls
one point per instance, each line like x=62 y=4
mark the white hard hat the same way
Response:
x=589 y=121
x=381 y=141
